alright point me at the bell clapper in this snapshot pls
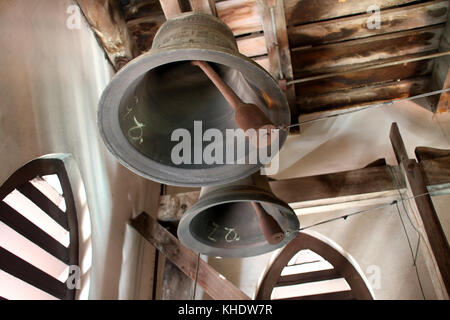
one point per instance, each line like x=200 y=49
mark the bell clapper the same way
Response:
x=268 y=225
x=247 y=115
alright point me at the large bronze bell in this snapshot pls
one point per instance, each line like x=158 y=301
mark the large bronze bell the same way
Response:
x=240 y=219
x=162 y=91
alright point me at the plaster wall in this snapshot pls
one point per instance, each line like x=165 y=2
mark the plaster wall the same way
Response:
x=51 y=79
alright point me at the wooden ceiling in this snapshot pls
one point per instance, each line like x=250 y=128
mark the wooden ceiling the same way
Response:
x=315 y=38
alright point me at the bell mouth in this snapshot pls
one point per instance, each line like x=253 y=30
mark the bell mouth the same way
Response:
x=159 y=93
x=224 y=223
x=178 y=96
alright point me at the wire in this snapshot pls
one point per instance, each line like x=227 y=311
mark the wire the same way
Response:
x=387 y=103
x=364 y=211
x=196 y=277
x=395 y=202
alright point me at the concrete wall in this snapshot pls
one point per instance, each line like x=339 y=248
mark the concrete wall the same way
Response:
x=52 y=78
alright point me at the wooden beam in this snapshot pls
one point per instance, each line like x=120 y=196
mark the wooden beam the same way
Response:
x=363 y=96
x=340 y=184
x=432 y=232
x=204 y=6
x=426 y=153
x=375 y=180
x=307 y=11
x=185 y=259
x=108 y=23
x=354 y=27
x=171 y=8
x=440 y=78
x=339 y=295
x=173 y=206
x=273 y=20
x=305 y=277
x=362 y=78
x=370 y=180
x=252 y=45
x=240 y=15
x=372 y=49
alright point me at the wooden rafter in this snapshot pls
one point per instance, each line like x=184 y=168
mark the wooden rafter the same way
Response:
x=273 y=21
x=370 y=181
x=216 y=285
x=435 y=241
x=106 y=19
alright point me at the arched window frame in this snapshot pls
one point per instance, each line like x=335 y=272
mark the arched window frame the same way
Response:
x=20 y=268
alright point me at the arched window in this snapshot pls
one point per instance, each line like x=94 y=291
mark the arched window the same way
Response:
x=310 y=268
x=38 y=233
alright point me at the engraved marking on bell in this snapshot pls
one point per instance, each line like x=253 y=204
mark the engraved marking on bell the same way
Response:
x=212 y=234
x=233 y=232
x=139 y=129
x=129 y=109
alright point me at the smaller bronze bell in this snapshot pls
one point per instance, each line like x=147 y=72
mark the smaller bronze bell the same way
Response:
x=240 y=219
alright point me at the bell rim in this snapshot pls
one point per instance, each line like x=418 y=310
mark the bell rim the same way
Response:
x=131 y=158
x=236 y=194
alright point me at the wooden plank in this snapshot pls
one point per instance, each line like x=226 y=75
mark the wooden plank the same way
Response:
x=44 y=203
x=240 y=15
x=27 y=229
x=273 y=21
x=143 y=31
x=426 y=153
x=186 y=260
x=205 y=6
x=106 y=19
x=364 y=95
x=436 y=171
x=263 y=61
x=141 y=9
x=252 y=45
x=434 y=235
x=354 y=27
x=347 y=183
x=306 y=11
x=25 y=271
x=441 y=74
x=340 y=295
x=306 y=277
x=358 y=79
x=365 y=50
x=171 y=8
x=372 y=180
x=172 y=207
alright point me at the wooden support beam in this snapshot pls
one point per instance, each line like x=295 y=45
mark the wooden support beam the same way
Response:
x=204 y=6
x=185 y=259
x=440 y=78
x=363 y=96
x=370 y=180
x=273 y=20
x=307 y=11
x=375 y=180
x=171 y=8
x=371 y=49
x=240 y=15
x=436 y=246
x=252 y=45
x=355 y=27
x=108 y=23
